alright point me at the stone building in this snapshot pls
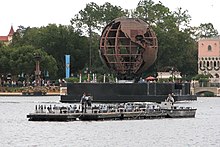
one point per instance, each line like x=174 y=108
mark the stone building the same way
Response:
x=7 y=39
x=209 y=58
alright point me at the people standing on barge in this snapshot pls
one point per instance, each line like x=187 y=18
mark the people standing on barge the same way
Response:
x=170 y=98
x=83 y=102
x=86 y=101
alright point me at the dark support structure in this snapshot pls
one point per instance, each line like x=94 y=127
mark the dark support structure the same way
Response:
x=127 y=92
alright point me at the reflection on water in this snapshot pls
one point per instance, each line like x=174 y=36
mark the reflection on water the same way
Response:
x=15 y=130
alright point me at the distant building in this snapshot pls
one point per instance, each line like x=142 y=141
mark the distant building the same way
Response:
x=7 y=39
x=209 y=58
x=167 y=75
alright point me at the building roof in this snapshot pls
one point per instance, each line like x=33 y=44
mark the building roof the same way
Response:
x=167 y=75
x=11 y=32
x=4 y=38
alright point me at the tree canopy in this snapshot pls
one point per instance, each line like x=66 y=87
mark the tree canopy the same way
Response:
x=177 y=40
x=19 y=61
x=56 y=41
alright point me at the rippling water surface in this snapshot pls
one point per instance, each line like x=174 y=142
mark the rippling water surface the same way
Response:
x=16 y=130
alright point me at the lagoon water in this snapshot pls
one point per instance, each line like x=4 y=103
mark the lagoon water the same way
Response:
x=16 y=130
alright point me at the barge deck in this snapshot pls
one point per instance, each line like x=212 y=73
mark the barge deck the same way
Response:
x=165 y=110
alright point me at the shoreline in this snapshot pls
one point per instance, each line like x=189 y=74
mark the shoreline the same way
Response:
x=20 y=94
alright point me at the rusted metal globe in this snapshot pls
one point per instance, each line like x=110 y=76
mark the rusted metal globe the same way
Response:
x=128 y=46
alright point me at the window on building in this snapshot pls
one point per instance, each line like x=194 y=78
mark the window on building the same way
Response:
x=214 y=63
x=200 y=64
x=209 y=48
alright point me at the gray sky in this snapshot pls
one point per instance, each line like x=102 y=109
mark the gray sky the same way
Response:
x=42 y=12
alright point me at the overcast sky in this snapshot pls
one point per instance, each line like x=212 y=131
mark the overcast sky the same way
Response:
x=42 y=12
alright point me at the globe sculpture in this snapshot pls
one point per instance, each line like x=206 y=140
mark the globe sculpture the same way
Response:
x=128 y=46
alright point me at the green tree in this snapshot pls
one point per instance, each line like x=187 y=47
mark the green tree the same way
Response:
x=176 y=46
x=2 y=44
x=91 y=19
x=88 y=18
x=110 y=12
x=205 y=30
x=22 y=60
x=182 y=18
x=54 y=40
x=19 y=37
x=152 y=13
x=57 y=41
x=4 y=60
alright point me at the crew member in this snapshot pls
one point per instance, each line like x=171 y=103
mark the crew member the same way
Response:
x=170 y=99
x=83 y=102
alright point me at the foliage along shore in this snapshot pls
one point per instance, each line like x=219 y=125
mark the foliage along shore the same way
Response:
x=176 y=38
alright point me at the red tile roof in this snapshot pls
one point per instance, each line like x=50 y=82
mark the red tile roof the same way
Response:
x=4 y=38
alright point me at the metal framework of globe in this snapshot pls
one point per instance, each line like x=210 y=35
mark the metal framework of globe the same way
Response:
x=128 y=46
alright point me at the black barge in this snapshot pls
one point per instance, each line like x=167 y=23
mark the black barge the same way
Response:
x=127 y=92
x=129 y=111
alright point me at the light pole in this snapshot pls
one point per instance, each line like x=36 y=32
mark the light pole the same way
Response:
x=37 y=58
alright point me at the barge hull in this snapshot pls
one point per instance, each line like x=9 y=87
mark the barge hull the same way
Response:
x=53 y=117
x=111 y=116
x=186 y=113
